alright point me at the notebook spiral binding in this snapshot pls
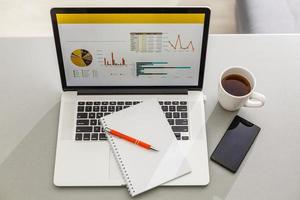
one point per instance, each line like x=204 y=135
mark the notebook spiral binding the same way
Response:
x=119 y=159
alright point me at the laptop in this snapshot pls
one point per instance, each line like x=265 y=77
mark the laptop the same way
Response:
x=113 y=58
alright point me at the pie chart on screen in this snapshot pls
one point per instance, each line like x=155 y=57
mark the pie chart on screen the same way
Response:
x=81 y=58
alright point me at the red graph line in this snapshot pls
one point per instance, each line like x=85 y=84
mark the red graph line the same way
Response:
x=178 y=40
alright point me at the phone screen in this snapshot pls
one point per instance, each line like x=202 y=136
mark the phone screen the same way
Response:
x=235 y=144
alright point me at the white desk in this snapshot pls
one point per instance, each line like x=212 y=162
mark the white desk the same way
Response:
x=30 y=92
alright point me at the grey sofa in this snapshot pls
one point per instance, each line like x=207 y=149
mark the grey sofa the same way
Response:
x=268 y=16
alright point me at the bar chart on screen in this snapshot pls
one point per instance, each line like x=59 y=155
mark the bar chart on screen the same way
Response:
x=111 y=61
x=158 y=68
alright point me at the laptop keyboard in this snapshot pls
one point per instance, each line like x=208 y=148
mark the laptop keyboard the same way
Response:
x=89 y=128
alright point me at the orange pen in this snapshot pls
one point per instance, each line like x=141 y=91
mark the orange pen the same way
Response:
x=130 y=139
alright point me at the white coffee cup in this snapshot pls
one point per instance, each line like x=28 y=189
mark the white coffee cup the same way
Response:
x=231 y=102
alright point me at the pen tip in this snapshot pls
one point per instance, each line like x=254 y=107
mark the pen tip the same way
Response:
x=153 y=149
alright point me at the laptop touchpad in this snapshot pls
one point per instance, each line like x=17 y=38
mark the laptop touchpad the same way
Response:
x=114 y=170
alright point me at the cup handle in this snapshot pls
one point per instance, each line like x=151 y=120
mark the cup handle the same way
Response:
x=255 y=100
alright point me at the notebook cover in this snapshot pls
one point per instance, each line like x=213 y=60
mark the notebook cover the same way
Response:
x=144 y=169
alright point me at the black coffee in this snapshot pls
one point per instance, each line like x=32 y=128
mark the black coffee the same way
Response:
x=236 y=85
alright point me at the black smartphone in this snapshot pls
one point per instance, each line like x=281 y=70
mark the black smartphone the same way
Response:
x=235 y=143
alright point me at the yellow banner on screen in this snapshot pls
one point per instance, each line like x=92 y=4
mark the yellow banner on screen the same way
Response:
x=133 y=18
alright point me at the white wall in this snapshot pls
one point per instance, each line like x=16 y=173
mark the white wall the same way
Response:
x=32 y=18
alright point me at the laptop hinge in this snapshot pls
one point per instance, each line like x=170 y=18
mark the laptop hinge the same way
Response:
x=132 y=91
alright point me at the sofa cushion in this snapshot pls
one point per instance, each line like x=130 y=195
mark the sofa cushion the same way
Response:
x=268 y=16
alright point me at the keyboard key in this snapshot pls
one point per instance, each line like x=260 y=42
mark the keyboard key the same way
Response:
x=88 y=108
x=171 y=121
x=181 y=108
x=120 y=103
x=80 y=108
x=171 y=108
x=183 y=103
x=128 y=103
x=97 y=103
x=81 y=103
x=93 y=122
x=167 y=103
x=183 y=115
x=89 y=103
x=78 y=136
x=175 y=102
x=83 y=122
x=178 y=138
x=180 y=128
x=86 y=136
x=164 y=108
x=177 y=134
x=112 y=103
x=106 y=114
x=175 y=115
x=185 y=137
x=135 y=102
x=118 y=108
x=161 y=103
x=103 y=108
x=168 y=115
x=92 y=115
x=104 y=103
x=97 y=128
x=99 y=122
x=81 y=129
x=94 y=136
x=181 y=121
x=126 y=106
x=96 y=109
x=111 y=108
x=99 y=115
x=81 y=115
x=102 y=136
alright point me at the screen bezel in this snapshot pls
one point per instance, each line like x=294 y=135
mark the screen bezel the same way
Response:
x=203 y=10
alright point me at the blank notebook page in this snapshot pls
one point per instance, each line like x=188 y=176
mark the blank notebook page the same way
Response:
x=144 y=169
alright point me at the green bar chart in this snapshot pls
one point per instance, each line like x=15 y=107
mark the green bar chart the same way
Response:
x=156 y=68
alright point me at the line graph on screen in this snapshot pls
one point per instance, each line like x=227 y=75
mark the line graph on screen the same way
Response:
x=177 y=45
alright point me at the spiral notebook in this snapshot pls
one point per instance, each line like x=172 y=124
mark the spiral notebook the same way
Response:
x=144 y=169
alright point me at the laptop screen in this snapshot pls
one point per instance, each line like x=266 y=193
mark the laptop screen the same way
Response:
x=131 y=49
